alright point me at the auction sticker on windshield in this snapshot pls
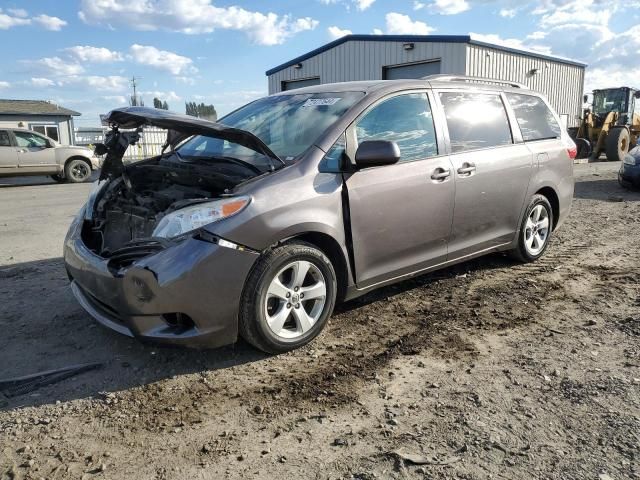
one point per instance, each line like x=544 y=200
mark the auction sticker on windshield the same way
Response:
x=319 y=102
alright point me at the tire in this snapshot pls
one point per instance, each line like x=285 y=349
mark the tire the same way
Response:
x=269 y=318
x=58 y=178
x=583 y=147
x=77 y=171
x=617 y=144
x=527 y=250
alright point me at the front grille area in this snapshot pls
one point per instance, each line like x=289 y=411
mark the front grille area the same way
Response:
x=132 y=251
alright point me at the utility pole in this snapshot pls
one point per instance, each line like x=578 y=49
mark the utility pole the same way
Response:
x=135 y=102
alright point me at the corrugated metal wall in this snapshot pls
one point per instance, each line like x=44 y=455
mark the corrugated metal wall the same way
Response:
x=364 y=60
x=563 y=84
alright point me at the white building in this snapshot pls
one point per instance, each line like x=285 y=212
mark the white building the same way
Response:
x=40 y=116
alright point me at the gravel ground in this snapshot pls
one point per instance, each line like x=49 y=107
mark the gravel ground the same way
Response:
x=490 y=369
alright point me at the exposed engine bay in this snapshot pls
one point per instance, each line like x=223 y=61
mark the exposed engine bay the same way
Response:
x=131 y=201
x=132 y=204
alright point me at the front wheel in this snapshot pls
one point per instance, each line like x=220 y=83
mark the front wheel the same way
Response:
x=288 y=298
x=535 y=231
x=617 y=144
x=77 y=171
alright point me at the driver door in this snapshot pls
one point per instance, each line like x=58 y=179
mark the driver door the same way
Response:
x=35 y=153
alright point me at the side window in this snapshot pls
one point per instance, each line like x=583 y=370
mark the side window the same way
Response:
x=406 y=120
x=333 y=160
x=475 y=120
x=29 y=140
x=535 y=119
x=4 y=139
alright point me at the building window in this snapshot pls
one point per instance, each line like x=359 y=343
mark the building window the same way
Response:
x=50 y=131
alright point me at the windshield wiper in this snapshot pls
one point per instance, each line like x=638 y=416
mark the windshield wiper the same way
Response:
x=235 y=161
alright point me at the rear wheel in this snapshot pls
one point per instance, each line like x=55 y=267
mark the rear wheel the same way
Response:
x=535 y=230
x=77 y=171
x=617 y=144
x=583 y=147
x=288 y=298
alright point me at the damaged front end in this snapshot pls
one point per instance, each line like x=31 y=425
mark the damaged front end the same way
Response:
x=136 y=209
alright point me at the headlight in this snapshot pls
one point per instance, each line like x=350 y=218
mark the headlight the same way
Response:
x=196 y=216
x=631 y=160
x=93 y=195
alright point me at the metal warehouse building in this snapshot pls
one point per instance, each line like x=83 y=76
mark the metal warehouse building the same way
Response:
x=376 y=57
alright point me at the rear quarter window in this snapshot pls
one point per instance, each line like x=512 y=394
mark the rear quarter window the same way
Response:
x=535 y=119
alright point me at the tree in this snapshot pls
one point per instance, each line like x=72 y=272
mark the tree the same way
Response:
x=165 y=105
x=157 y=103
x=201 y=110
x=136 y=101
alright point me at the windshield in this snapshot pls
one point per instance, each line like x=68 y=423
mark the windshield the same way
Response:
x=614 y=100
x=287 y=124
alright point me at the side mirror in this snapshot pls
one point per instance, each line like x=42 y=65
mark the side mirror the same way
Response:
x=637 y=94
x=375 y=153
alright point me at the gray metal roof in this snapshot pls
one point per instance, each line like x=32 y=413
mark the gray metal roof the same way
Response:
x=419 y=38
x=33 y=107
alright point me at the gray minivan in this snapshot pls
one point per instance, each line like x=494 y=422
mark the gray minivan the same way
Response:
x=258 y=224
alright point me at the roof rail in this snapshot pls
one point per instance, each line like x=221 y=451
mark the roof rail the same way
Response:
x=465 y=78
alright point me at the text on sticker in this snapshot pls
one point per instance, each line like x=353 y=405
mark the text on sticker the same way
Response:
x=319 y=102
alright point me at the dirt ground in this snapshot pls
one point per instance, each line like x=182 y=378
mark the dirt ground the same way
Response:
x=490 y=369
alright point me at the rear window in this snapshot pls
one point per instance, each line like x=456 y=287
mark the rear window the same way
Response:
x=475 y=120
x=4 y=139
x=535 y=119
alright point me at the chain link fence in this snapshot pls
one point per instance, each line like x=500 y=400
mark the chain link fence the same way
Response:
x=150 y=144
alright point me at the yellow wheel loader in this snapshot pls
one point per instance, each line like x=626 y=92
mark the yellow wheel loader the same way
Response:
x=611 y=126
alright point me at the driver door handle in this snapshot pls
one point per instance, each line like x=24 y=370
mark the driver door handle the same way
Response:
x=467 y=169
x=440 y=174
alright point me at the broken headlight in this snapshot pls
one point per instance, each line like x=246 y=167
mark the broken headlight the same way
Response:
x=196 y=216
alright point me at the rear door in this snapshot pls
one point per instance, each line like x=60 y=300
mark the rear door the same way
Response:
x=8 y=154
x=492 y=172
x=400 y=214
x=35 y=153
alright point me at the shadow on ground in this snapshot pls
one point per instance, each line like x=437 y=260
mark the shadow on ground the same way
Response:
x=44 y=328
x=608 y=190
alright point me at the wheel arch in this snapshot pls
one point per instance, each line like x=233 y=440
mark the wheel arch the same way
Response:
x=332 y=249
x=550 y=194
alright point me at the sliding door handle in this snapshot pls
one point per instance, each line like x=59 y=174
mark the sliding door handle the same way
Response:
x=466 y=169
x=440 y=174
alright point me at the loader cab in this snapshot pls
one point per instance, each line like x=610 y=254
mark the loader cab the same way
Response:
x=621 y=100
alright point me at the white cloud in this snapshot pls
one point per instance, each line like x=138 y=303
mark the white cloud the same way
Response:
x=419 y=5
x=400 y=24
x=168 y=96
x=41 y=82
x=449 y=7
x=510 y=42
x=536 y=35
x=162 y=59
x=55 y=66
x=363 y=4
x=9 y=21
x=337 y=32
x=50 y=23
x=110 y=83
x=377 y=31
x=193 y=17
x=86 y=53
x=4 y=84
x=18 y=12
x=508 y=12
x=118 y=99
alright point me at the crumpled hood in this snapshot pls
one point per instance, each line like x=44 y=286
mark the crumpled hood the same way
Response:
x=181 y=127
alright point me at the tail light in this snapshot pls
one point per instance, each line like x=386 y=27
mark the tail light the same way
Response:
x=572 y=149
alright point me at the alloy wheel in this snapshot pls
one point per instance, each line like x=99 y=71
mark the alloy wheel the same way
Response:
x=295 y=299
x=80 y=171
x=536 y=231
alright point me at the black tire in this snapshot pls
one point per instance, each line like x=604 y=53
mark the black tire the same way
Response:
x=77 y=171
x=253 y=326
x=522 y=252
x=58 y=178
x=583 y=147
x=617 y=144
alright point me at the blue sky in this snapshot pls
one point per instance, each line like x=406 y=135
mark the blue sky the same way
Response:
x=81 y=53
